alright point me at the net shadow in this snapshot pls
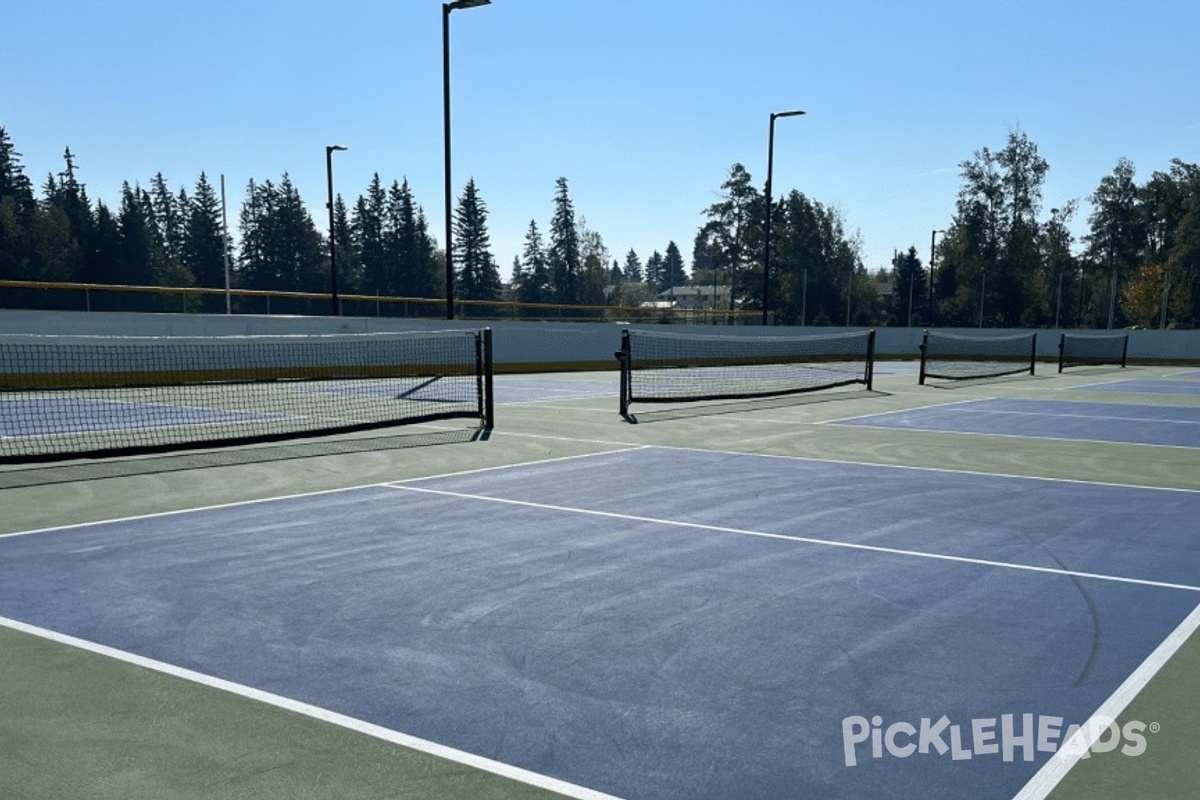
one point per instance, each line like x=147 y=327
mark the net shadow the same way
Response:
x=962 y=383
x=719 y=408
x=97 y=469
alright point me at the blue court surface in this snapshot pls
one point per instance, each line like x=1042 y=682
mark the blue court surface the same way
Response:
x=1177 y=426
x=1142 y=386
x=50 y=416
x=657 y=623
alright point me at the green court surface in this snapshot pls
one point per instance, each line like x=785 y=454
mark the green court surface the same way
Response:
x=79 y=723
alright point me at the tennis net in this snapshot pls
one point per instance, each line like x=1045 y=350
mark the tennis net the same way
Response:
x=69 y=396
x=663 y=367
x=950 y=356
x=1081 y=350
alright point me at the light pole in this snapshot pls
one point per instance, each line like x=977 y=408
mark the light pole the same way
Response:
x=767 y=228
x=932 y=260
x=333 y=274
x=446 y=9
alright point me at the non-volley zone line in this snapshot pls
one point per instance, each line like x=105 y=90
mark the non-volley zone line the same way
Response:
x=1160 y=425
x=879 y=549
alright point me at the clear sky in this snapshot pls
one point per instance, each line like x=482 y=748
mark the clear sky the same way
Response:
x=643 y=105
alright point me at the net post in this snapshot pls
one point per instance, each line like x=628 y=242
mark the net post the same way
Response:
x=489 y=398
x=1125 y=351
x=1062 y=349
x=623 y=362
x=924 y=356
x=871 y=360
x=1033 y=355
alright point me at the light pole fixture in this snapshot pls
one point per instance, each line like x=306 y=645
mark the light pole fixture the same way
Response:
x=766 y=305
x=932 y=259
x=446 y=9
x=333 y=272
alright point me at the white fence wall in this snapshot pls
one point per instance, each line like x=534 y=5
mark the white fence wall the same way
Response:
x=524 y=345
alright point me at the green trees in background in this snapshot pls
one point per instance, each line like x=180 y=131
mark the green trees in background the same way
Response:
x=1003 y=262
x=1005 y=259
x=478 y=274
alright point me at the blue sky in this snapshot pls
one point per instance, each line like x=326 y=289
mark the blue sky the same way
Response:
x=643 y=105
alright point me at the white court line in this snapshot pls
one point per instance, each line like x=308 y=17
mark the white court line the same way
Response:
x=1046 y=779
x=1100 y=417
x=1026 y=436
x=909 y=467
x=903 y=410
x=316 y=493
x=896 y=551
x=315 y=712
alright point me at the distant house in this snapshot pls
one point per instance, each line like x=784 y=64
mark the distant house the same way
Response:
x=696 y=296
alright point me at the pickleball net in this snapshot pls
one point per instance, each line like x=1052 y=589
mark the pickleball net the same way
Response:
x=1090 y=350
x=664 y=367
x=951 y=356
x=68 y=396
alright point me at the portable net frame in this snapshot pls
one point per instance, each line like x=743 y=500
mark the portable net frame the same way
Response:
x=1084 y=350
x=661 y=367
x=70 y=396
x=949 y=356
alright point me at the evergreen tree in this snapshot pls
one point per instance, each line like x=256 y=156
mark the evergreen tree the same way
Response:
x=62 y=231
x=170 y=217
x=535 y=284
x=633 y=268
x=909 y=282
x=673 y=273
x=140 y=259
x=203 y=245
x=349 y=265
x=734 y=234
x=17 y=209
x=615 y=276
x=518 y=274
x=654 y=271
x=367 y=232
x=405 y=257
x=702 y=264
x=106 y=254
x=477 y=274
x=70 y=195
x=281 y=248
x=594 y=258
x=563 y=256
x=53 y=249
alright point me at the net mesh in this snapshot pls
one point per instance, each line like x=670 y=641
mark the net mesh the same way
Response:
x=660 y=367
x=950 y=356
x=1078 y=350
x=66 y=396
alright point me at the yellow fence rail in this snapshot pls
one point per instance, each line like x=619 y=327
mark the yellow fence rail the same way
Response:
x=194 y=299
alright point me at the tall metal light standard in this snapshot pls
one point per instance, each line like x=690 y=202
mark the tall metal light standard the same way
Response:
x=333 y=272
x=767 y=232
x=446 y=9
x=932 y=259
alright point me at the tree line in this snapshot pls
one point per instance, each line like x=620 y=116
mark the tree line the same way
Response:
x=1001 y=261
